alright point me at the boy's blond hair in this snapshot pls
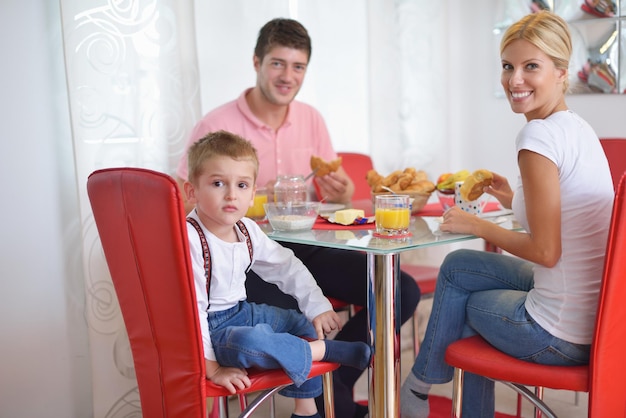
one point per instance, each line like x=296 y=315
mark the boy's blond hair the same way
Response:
x=220 y=143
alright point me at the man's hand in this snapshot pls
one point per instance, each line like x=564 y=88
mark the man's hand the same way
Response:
x=335 y=187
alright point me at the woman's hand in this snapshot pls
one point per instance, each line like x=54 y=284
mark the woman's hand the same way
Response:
x=501 y=190
x=458 y=221
x=325 y=323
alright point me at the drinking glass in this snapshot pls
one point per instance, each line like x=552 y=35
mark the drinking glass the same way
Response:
x=393 y=214
x=257 y=211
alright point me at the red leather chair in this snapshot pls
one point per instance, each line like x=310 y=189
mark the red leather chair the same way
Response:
x=356 y=166
x=615 y=150
x=603 y=378
x=140 y=218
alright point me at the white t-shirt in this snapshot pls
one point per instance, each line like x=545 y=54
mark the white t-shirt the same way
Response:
x=229 y=260
x=564 y=298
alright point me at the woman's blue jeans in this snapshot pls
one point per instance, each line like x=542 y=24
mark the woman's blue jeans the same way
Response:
x=483 y=293
x=266 y=337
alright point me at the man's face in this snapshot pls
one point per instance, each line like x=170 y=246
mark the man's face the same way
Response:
x=280 y=74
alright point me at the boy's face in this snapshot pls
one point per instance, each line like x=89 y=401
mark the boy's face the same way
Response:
x=223 y=192
x=281 y=73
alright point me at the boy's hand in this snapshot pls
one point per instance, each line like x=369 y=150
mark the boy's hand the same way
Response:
x=232 y=378
x=325 y=323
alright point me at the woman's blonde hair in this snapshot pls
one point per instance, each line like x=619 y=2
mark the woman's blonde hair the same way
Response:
x=220 y=143
x=548 y=32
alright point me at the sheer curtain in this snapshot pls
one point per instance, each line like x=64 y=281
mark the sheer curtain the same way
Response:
x=141 y=73
x=133 y=96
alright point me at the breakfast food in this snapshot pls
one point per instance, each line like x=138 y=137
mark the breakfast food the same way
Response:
x=474 y=184
x=322 y=167
x=347 y=216
x=445 y=182
x=400 y=181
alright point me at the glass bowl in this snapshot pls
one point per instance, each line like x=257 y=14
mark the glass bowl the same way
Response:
x=446 y=199
x=292 y=216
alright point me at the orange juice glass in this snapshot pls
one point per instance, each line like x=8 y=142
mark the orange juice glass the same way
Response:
x=256 y=211
x=393 y=214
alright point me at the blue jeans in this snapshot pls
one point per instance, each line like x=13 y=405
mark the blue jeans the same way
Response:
x=266 y=337
x=484 y=293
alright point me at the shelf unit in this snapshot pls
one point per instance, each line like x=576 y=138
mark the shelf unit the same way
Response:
x=598 y=63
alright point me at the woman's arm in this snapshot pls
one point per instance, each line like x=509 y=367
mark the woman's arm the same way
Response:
x=542 y=243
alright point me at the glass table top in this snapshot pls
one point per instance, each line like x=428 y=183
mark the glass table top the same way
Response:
x=424 y=233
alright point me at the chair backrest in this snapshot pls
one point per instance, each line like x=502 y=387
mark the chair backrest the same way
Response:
x=141 y=221
x=356 y=166
x=608 y=362
x=615 y=150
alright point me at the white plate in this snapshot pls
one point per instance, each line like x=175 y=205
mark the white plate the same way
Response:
x=331 y=207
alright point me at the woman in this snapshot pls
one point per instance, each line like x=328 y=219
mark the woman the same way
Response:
x=539 y=306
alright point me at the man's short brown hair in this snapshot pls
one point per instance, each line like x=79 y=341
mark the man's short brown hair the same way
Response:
x=282 y=32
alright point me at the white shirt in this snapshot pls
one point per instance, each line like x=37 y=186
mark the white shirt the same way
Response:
x=564 y=298
x=229 y=260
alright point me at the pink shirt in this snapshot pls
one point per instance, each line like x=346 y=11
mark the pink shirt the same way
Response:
x=286 y=151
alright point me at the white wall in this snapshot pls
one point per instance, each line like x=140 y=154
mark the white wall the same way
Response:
x=43 y=364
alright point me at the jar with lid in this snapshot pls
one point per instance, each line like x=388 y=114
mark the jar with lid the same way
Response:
x=290 y=189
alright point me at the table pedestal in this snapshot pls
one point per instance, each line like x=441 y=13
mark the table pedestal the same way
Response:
x=384 y=334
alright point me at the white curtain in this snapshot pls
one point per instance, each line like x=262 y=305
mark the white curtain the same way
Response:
x=134 y=94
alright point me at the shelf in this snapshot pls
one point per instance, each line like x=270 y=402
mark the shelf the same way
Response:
x=598 y=63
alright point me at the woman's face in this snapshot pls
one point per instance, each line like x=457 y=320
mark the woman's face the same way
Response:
x=531 y=82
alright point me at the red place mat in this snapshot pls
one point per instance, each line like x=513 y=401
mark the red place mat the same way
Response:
x=431 y=209
x=435 y=209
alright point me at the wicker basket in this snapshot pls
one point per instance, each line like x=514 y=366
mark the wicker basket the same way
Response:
x=418 y=203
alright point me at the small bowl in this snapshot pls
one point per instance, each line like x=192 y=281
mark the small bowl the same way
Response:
x=445 y=199
x=292 y=216
x=417 y=204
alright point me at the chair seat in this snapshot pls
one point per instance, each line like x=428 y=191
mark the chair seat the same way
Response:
x=475 y=355
x=424 y=276
x=267 y=379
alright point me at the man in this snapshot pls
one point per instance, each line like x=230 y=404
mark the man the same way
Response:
x=286 y=133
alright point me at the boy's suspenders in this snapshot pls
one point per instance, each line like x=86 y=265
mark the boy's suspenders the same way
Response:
x=207 y=253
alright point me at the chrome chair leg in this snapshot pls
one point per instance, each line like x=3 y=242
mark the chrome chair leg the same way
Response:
x=457 y=393
x=539 y=395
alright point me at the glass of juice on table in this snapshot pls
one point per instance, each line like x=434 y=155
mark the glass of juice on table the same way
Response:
x=256 y=211
x=393 y=215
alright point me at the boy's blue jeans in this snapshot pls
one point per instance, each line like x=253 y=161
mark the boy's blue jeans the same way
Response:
x=484 y=293
x=263 y=336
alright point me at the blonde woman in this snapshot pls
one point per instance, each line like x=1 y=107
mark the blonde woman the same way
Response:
x=540 y=305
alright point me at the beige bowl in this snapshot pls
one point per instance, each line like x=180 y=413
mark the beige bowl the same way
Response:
x=418 y=201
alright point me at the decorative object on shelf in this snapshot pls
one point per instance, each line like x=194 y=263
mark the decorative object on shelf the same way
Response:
x=600 y=8
x=598 y=28
x=598 y=71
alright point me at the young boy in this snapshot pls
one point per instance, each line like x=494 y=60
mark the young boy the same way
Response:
x=237 y=334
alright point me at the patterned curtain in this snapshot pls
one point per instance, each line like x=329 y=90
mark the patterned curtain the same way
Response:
x=133 y=94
